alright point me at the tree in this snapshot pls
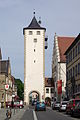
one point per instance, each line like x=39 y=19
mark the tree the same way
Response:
x=20 y=88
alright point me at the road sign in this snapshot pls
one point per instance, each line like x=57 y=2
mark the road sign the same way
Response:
x=6 y=87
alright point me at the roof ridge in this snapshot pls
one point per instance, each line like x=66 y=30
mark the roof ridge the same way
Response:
x=65 y=37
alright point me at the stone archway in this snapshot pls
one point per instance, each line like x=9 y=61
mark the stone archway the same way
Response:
x=34 y=96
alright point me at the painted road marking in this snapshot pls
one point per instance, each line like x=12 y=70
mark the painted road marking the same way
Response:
x=34 y=115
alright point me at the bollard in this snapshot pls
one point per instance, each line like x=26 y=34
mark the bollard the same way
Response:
x=14 y=110
x=10 y=113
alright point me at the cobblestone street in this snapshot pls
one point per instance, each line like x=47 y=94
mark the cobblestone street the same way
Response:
x=16 y=114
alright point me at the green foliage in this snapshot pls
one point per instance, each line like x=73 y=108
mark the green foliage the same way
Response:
x=20 y=88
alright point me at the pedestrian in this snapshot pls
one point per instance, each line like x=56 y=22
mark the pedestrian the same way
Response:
x=12 y=103
x=0 y=105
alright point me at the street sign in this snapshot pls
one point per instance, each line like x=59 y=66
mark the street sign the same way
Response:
x=6 y=87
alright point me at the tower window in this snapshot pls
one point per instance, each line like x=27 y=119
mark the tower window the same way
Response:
x=34 y=50
x=38 y=32
x=47 y=90
x=34 y=61
x=52 y=90
x=35 y=40
x=30 y=32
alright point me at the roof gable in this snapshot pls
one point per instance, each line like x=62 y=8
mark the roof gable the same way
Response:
x=49 y=82
x=4 y=65
x=64 y=43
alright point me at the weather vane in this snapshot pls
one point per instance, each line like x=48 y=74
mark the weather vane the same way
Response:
x=34 y=12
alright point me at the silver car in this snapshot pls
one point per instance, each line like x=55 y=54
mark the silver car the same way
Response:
x=63 y=105
x=56 y=106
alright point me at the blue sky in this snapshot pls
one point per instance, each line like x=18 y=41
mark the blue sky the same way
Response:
x=60 y=16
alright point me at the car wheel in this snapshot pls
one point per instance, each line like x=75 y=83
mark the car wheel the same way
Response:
x=72 y=114
x=66 y=112
x=44 y=109
x=35 y=109
x=59 y=110
x=8 y=106
x=20 y=107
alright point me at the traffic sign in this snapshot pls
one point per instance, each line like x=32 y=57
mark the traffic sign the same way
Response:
x=6 y=87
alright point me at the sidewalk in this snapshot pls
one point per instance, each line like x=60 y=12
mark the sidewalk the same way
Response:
x=16 y=114
x=2 y=114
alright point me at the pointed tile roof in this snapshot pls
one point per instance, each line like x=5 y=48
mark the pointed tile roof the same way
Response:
x=34 y=25
x=63 y=44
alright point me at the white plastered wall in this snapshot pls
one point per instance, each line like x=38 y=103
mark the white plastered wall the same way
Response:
x=34 y=71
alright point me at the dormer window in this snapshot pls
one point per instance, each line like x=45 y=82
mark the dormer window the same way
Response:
x=38 y=32
x=30 y=32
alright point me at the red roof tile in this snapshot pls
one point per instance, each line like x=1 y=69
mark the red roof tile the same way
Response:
x=49 y=82
x=64 y=43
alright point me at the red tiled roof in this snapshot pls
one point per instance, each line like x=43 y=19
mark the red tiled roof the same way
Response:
x=64 y=43
x=49 y=82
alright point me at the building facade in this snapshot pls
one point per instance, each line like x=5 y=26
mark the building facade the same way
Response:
x=73 y=68
x=49 y=90
x=5 y=81
x=34 y=62
x=59 y=65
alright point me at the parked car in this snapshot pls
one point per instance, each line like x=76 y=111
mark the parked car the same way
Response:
x=53 y=104
x=40 y=106
x=56 y=106
x=73 y=106
x=63 y=105
x=16 y=104
x=19 y=104
x=8 y=104
x=34 y=102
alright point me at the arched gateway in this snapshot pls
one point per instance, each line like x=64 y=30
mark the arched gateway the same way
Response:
x=34 y=61
x=34 y=96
